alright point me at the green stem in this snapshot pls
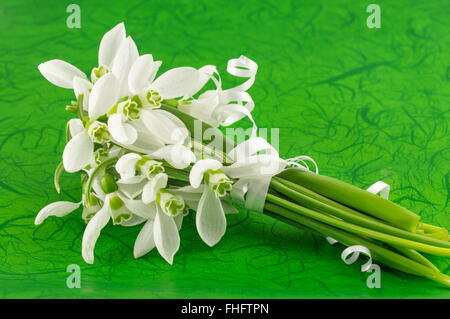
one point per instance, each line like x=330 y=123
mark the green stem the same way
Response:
x=392 y=240
x=379 y=253
x=355 y=197
x=355 y=218
x=416 y=256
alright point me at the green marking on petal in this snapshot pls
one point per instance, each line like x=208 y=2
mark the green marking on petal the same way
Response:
x=98 y=72
x=149 y=167
x=116 y=203
x=220 y=183
x=170 y=204
x=153 y=98
x=98 y=132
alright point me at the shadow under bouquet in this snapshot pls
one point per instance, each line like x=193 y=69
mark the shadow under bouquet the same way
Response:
x=149 y=151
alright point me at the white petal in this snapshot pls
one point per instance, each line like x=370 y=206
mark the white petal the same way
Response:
x=75 y=127
x=153 y=186
x=133 y=221
x=84 y=87
x=125 y=58
x=205 y=74
x=110 y=43
x=203 y=108
x=178 y=221
x=147 y=211
x=96 y=186
x=132 y=190
x=176 y=82
x=146 y=142
x=162 y=125
x=60 y=73
x=166 y=236
x=210 y=220
x=120 y=64
x=133 y=51
x=141 y=73
x=92 y=231
x=126 y=165
x=132 y=180
x=144 y=241
x=179 y=156
x=228 y=208
x=58 y=209
x=78 y=153
x=103 y=96
x=199 y=168
x=122 y=132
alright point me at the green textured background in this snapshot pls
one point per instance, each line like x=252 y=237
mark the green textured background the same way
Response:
x=367 y=104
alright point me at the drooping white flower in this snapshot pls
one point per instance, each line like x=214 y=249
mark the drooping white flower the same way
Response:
x=79 y=151
x=65 y=75
x=133 y=168
x=161 y=232
x=210 y=219
x=161 y=229
x=155 y=191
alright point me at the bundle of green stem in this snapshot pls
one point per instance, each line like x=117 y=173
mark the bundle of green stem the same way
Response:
x=329 y=207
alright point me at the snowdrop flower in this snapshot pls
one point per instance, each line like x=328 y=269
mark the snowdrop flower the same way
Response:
x=129 y=164
x=65 y=75
x=155 y=191
x=162 y=230
x=113 y=208
x=210 y=219
x=109 y=47
x=92 y=207
x=79 y=151
x=145 y=97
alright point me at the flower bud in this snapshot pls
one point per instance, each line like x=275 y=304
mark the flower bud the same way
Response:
x=170 y=204
x=108 y=184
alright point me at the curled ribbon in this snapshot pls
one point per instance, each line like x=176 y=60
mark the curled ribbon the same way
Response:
x=236 y=103
x=351 y=254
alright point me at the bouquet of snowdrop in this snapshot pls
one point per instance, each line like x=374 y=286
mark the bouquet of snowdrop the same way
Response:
x=134 y=141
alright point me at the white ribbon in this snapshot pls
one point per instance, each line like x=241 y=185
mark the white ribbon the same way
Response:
x=255 y=162
x=301 y=162
x=351 y=254
x=235 y=103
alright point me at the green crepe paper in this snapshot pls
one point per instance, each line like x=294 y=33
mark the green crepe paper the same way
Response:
x=366 y=104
